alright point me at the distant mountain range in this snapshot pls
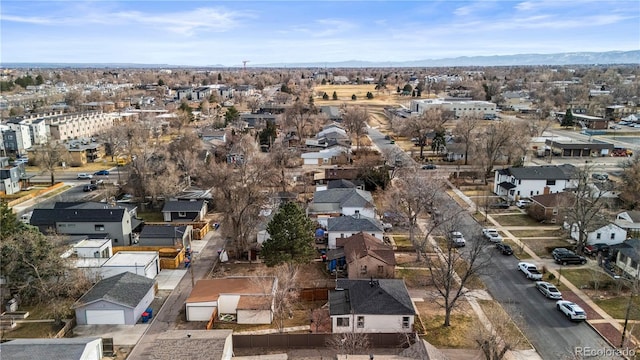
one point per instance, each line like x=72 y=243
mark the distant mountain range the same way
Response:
x=571 y=58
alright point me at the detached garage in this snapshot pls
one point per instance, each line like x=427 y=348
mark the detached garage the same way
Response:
x=118 y=300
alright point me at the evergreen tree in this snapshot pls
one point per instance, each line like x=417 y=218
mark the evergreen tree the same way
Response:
x=160 y=82
x=323 y=82
x=219 y=76
x=398 y=90
x=369 y=95
x=568 y=120
x=9 y=221
x=291 y=237
x=438 y=144
x=335 y=96
x=39 y=80
x=268 y=135
x=325 y=96
x=354 y=97
x=231 y=115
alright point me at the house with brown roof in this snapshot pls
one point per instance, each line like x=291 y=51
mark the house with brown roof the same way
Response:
x=247 y=300
x=549 y=207
x=367 y=257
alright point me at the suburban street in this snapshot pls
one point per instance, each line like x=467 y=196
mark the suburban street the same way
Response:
x=551 y=334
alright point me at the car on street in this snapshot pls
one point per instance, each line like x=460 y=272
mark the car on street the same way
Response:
x=571 y=310
x=569 y=258
x=101 y=172
x=84 y=176
x=428 y=167
x=89 y=187
x=530 y=271
x=549 y=290
x=505 y=249
x=492 y=235
x=594 y=249
x=457 y=239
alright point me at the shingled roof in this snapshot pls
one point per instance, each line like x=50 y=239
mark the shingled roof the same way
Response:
x=349 y=197
x=545 y=172
x=362 y=244
x=53 y=216
x=373 y=297
x=183 y=206
x=126 y=289
x=40 y=349
x=353 y=224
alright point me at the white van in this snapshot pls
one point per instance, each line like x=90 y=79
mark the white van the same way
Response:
x=26 y=218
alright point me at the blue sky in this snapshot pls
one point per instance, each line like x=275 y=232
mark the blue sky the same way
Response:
x=228 y=32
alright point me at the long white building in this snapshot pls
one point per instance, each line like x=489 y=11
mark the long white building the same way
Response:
x=459 y=107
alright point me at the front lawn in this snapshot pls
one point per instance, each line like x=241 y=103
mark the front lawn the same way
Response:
x=543 y=247
x=536 y=233
x=460 y=335
x=617 y=306
x=151 y=216
x=514 y=220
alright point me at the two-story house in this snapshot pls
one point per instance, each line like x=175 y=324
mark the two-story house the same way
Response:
x=10 y=176
x=371 y=306
x=523 y=182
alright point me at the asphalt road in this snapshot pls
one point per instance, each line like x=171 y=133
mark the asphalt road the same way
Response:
x=552 y=335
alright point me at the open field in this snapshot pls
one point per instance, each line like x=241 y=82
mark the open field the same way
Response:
x=381 y=98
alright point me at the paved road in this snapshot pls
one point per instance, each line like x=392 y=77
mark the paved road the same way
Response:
x=552 y=335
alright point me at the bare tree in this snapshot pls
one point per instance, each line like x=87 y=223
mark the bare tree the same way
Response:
x=421 y=126
x=584 y=210
x=282 y=282
x=393 y=158
x=318 y=317
x=501 y=335
x=299 y=116
x=452 y=269
x=464 y=130
x=186 y=153
x=494 y=144
x=630 y=193
x=355 y=119
x=49 y=156
x=114 y=140
x=412 y=195
x=350 y=343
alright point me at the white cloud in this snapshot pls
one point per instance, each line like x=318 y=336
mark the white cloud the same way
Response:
x=26 y=19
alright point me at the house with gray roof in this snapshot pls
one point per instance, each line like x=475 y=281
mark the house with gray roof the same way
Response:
x=630 y=221
x=52 y=349
x=119 y=300
x=628 y=258
x=371 y=306
x=178 y=210
x=345 y=226
x=165 y=235
x=186 y=344
x=524 y=182
x=342 y=201
x=331 y=112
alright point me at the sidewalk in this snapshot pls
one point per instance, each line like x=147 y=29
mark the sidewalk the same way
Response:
x=606 y=326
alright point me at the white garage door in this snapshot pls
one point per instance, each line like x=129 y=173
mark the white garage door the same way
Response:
x=96 y=317
x=199 y=313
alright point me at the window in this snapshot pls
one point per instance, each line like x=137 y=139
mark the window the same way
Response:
x=598 y=236
x=613 y=236
x=634 y=264
x=357 y=212
x=182 y=214
x=405 y=322
x=99 y=227
x=623 y=258
x=555 y=211
x=380 y=269
x=343 y=321
x=551 y=182
x=363 y=269
x=360 y=322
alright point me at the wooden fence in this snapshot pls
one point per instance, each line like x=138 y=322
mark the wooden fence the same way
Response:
x=199 y=228
x=70 y=324
x=314 y=294
x=170 y=258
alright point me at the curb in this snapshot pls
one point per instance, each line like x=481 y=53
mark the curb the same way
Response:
x=606 y=340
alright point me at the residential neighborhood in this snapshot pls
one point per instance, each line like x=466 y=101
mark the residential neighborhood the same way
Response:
x=319 y=214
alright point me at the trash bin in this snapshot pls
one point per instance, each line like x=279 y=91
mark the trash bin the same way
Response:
x=150 y=311
x=145 y=317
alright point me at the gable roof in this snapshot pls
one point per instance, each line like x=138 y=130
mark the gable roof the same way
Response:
x=560 y=199
x=634 y=215
x=162 y=231
x=41 y=349
x=126 y=289
x=373 y=297
x=344 y=184
x=349 y=197
x=631 y=248
x=52 y=216
x=183 y=206
x=354 y=224
x=545 y=172
x=362 y=245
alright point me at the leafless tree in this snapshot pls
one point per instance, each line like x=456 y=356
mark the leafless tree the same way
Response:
x=412 y=195
x=253 y=103
x=114 y=140
x=501 y=335
x=299 y=116
x=419 y=127
x=630 y=193
x=350 y=343
x=355 y=119
x=319 y=317
x=283 y=283
x=393 y=156
x=494 y=144
x=452 y=269
x=186 y=152
x=49 y=156
x=465 y=130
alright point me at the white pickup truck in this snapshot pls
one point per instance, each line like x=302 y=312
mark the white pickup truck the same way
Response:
x=492 y=235
x=530 y=271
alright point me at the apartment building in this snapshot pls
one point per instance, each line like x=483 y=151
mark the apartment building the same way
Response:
x=459 y=107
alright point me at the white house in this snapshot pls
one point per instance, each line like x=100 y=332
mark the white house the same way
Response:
x=247 y=300
x=56 y=348
x=523 y=182
x=145 y=263
x=345 y=226
x=371 y=306
x=93 y=248
x=323 y=157
x=342 y=201
x=630 y=221
x=609 y=234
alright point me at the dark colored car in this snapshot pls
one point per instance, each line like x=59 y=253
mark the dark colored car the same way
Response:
x=89 y=187
x=558 y=251
x=570 y=258
x=101 y=172
x=596 y=248
x=428 y=167
x=504 y=248
x=500 y=205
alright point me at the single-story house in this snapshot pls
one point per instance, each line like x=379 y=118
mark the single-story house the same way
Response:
x=455 y=152
x=342 y=201
x=187 y=344
x=371 y=306
x=49 y=349
x=610 y=234
x=174 y=210
x=345 y=226
x=119 y=300
x=628 y=258
x=250 y=300
x=93 y=248
x=333 y=156
x=367 y=257
x=630 y=221
x=576 y=148
x=165 y=235
x=144 y=263
x=550 y=207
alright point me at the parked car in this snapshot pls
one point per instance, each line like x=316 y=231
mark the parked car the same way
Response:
x=101 y=172
x=428 y=167
x=549 y=290
x=570 y=258
x=499 y=205
x=594 y=249
x=530 y=271
x=89 y=187
x=571 y=310
x=504 y=248
x=522 y=203
x=492 y=235
x=84 y=176
x=600 y=177
x=557 y=251
x=457 y=239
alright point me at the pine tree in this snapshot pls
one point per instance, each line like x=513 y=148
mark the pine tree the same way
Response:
x=325 y=96
x=568 y=120
x=290 y=237
x=354 y=97
x=335 y=96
